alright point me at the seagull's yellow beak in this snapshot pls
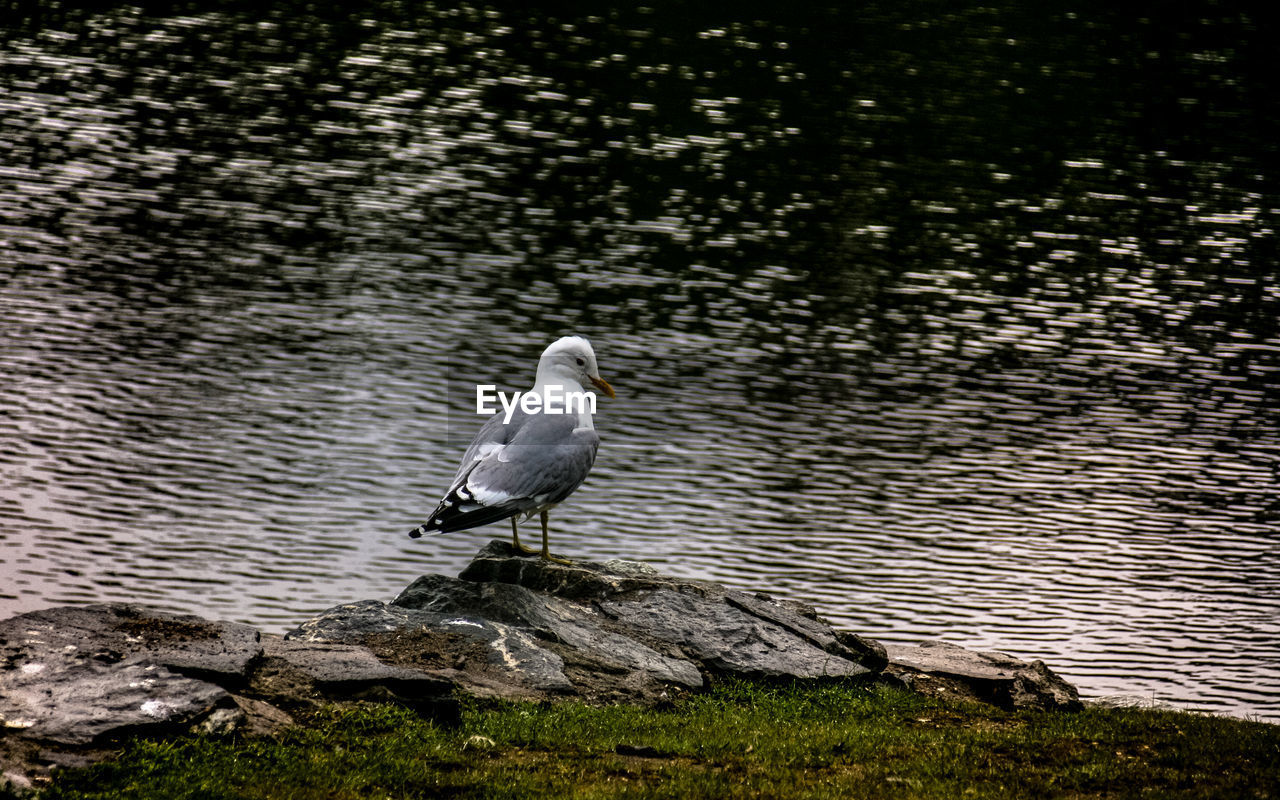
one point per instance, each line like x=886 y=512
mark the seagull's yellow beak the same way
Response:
x=602 y=385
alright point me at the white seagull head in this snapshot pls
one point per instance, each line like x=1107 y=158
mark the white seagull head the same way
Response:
x=571 y=359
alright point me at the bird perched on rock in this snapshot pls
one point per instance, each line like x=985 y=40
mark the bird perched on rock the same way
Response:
x=528 y=459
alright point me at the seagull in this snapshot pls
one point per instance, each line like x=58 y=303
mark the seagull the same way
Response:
x=522 y=462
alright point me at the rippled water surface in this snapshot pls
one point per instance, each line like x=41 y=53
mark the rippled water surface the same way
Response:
x=960 y=323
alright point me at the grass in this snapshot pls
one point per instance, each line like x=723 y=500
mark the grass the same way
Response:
x=740 y=740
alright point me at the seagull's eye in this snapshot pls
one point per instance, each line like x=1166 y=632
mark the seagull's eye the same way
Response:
x=580 y=362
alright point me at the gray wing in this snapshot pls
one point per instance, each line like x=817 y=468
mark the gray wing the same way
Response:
x=533 y=461
x=491 y=433
x=543 y=463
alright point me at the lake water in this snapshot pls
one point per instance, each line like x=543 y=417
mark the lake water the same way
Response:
x=960 y=323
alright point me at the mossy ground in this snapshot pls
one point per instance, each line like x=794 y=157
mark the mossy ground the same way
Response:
x=739 y=740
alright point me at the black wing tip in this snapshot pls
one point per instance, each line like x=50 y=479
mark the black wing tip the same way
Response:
x=425 y=528
x=459 y=513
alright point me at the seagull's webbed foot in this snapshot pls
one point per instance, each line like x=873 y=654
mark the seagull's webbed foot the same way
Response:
x=546 y=549
x=515 y=542
x=546 y=556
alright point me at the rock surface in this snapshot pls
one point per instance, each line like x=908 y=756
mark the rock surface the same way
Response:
x=522 y=627
x=75 y=680
x=944 y=669
x=77 y=675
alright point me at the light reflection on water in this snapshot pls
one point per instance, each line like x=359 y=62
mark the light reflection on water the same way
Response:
x=946 y=358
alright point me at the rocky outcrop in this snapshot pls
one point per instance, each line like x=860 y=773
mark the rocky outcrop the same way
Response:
x=90 y=675
x=941 y=669
x=523 y=627
x=76 y=679
x=77 y=675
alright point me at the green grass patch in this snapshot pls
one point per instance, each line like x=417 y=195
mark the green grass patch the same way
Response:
x=739 y=740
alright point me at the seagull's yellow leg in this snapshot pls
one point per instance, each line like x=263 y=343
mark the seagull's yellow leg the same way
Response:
x=546 y=551
x=515 y=540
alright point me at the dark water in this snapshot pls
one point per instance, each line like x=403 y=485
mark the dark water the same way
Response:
x=960 y=323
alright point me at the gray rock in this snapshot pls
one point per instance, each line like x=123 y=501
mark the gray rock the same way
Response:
x=803 y=621
x=944 y=669
x=520 y=626
x=571 y=629
x=81 y=704
x=344 y=665
x=111 y=632
x=721 y=630
x=504 y=660
x=222 y=722
x=260 y=718
x=348 y=669
x=1133 y=701
x=616 y=631
x=76 y=675
x=723 y=638
x=296 y=672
